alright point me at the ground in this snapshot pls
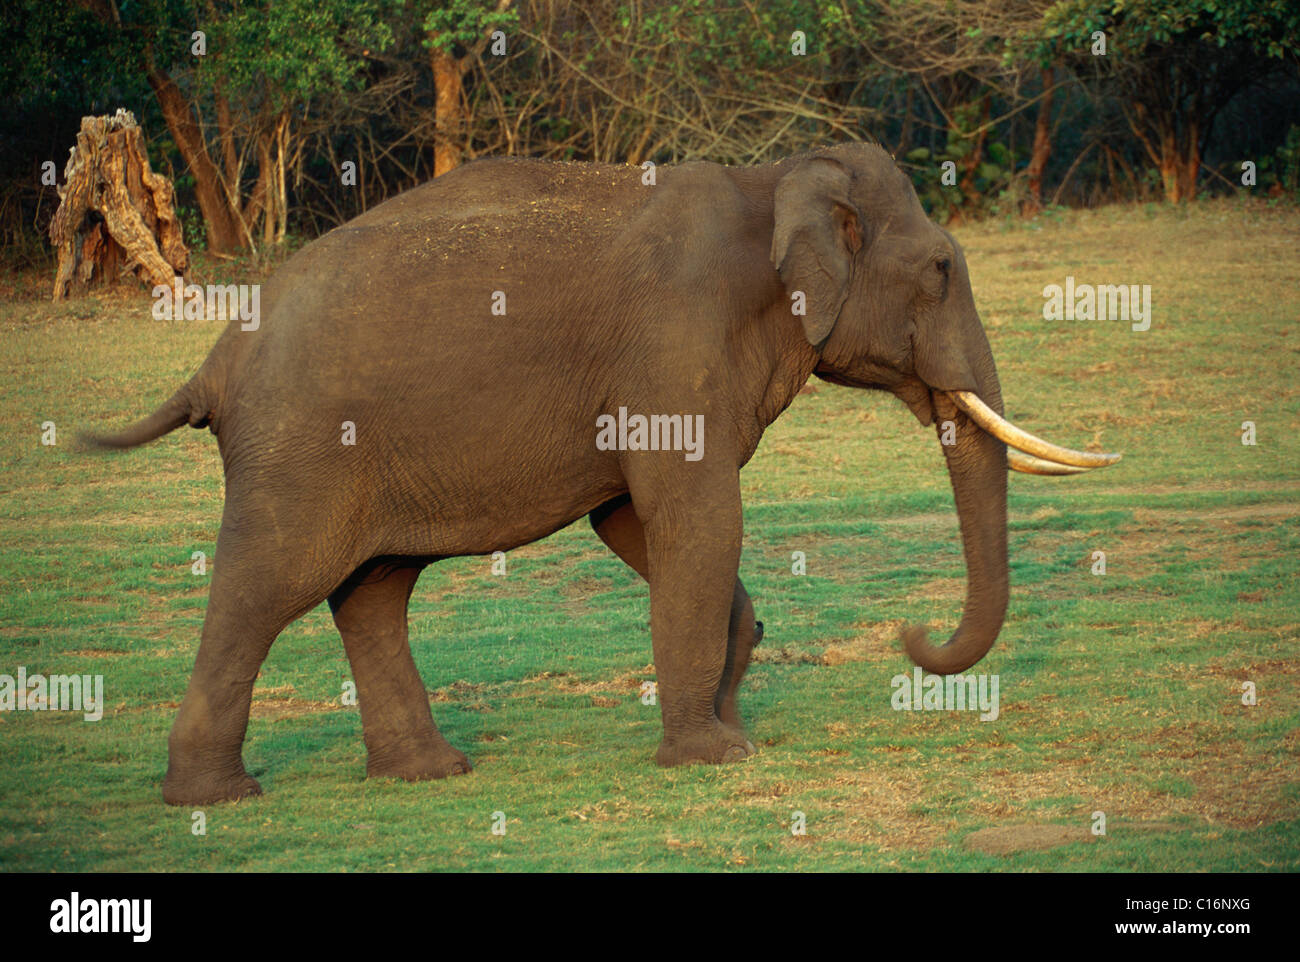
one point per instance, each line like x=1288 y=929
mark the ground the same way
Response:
x=1120 y=693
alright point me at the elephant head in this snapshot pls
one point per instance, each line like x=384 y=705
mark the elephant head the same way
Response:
x=888 y=306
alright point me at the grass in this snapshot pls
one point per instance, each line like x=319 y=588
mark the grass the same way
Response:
x=1119 y=693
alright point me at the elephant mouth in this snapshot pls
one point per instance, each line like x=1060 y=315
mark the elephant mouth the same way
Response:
x=1027 y=452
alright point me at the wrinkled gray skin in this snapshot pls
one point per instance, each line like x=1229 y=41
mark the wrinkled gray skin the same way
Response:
x=476 y=433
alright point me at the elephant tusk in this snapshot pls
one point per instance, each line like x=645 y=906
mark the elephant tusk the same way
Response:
x=1004 y=430
x=1028 y=464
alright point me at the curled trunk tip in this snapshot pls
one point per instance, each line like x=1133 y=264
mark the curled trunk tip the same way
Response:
x=948 y=659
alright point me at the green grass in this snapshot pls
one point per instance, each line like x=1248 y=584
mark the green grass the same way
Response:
x=1119 y=694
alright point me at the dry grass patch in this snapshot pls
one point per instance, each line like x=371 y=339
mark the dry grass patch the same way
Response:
x=879 y=642
x=1006 y=839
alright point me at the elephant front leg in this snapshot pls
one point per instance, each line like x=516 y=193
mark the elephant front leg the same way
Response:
x=619 y=527
x=694 y=552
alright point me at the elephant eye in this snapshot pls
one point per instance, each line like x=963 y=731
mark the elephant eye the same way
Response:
x=944 y=265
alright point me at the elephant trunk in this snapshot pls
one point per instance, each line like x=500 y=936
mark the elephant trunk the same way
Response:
x=977 y=467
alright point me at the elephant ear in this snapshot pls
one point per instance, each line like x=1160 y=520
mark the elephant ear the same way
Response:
x=816 y=233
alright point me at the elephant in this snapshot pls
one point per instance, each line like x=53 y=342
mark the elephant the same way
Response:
x=475 y=333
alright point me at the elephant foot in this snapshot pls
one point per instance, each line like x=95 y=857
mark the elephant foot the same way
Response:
x=715 y=745
x=417 y=762
x=207 y=788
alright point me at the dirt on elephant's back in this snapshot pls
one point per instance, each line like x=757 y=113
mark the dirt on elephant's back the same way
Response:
x=559 y=226
x=570 y=209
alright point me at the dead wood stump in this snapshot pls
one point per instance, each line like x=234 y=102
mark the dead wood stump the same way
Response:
x=115 y=216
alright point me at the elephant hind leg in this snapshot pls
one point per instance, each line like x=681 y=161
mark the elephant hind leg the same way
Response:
x=616 y=523
x=370 y=610
x=257 y=590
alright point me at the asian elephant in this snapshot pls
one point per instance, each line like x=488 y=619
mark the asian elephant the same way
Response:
x=481 y=333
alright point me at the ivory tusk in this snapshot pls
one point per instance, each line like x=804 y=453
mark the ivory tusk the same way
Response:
x=1028 y=464
x=1004 y=430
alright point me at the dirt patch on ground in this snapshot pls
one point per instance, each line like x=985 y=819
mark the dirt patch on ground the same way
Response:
x=1248 y=512
x=279 y=702
x=613 y=809
x=879 y=808
x=457 y=691
x=289 y=707
x=875 y=643
x=1155 y=538
x=939 y=589
x=1007 y=839
x=573 y=685
x=785 y=656
x=1211 y=767
x=1146 y=827
x=871 y=642
x=933 y=520
x=903 y=799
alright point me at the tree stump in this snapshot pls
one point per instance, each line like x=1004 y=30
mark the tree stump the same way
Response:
x=115 y=216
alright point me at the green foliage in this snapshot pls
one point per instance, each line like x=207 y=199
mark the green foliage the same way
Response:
x=1282 y=168
x=672 y=80
x=1271 y=28
x=993 y=174
x=292 y=50
x=196 y=238
x=464 y=23
x=1172 y=66
x=41 y=40
x=740 y=45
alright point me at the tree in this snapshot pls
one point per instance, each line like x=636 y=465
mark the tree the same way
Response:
x=457 y=34
x=964 y=55
x=685 y=79
x=214 y=55
x=1174 y=65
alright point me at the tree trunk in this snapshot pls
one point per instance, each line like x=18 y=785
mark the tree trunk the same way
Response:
x=229 y=155
x=1189 y=162
x=281 y=165
x=1169 y=167
x=1178 y=159
x=972 y=162
x=1178 y=168
x=270 y=208
x=1042 y=149
x=219 y=221
x=115 y=214
x=449 y=98
x=449 y=114
x=905 y=136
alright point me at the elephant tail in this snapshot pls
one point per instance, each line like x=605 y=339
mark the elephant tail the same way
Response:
x=195 y=404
